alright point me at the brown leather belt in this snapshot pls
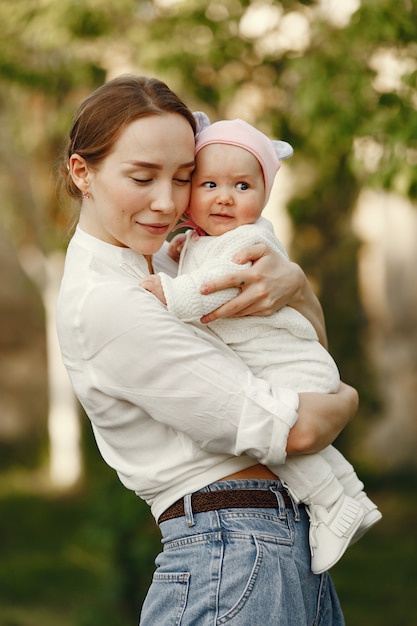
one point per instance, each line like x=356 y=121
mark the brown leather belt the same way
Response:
x=201 y=502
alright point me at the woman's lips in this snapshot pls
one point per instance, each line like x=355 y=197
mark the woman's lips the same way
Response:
x=156 y=229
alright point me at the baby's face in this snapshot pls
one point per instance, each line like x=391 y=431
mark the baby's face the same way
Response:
x=227 y=188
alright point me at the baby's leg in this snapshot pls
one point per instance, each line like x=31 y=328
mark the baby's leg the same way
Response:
x=343 y=470
x=334 y=516
x=310 y=479
x=353 y=487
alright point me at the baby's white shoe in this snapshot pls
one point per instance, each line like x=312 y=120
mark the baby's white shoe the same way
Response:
x=371 y=517
x=332 y=530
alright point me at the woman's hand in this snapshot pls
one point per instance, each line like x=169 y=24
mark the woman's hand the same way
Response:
x=321 y=418
x=269 y=284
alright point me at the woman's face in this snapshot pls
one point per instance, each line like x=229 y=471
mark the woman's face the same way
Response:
x=138 y=192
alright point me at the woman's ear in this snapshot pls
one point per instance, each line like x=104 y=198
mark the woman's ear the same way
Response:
x=79 y=172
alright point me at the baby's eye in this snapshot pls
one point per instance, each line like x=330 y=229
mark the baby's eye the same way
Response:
x=209 y=184
x=242 y=186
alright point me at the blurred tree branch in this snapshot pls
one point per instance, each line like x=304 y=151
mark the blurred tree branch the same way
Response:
x=339 y=85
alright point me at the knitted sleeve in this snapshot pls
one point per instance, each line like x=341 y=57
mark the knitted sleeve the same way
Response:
x=183 y=295
x=210 y=259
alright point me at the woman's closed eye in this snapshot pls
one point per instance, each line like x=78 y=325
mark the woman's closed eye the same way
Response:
x=178 y=180
x=142 y=181
x=182 y=181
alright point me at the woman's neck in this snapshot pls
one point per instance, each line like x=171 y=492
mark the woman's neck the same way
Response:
x=148 y=258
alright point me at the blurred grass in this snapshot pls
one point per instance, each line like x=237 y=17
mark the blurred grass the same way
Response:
x=377 y=578
x=86 y=558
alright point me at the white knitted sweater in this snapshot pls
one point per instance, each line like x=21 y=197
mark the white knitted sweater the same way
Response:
x=282 y=348
x=205 y=258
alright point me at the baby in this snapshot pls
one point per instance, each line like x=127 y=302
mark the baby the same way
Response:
x=235 y=168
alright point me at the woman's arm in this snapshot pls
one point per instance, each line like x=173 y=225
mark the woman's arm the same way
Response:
x=271 y=283
x=321 y=419
x=151 y=370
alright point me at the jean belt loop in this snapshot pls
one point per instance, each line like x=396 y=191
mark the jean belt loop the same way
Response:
x=280 y=501
x=188 y=510
x=294 y=506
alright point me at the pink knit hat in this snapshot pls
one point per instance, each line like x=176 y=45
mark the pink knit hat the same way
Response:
x=241 y=134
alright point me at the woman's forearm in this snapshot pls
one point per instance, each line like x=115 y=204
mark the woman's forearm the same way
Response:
x=306 y=302
x=322 y=417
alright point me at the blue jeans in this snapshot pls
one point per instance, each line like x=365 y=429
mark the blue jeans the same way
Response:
x=240 y=567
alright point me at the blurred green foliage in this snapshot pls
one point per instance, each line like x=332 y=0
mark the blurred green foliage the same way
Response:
x=228 y=58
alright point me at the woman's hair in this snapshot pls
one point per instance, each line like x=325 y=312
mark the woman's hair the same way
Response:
x=103 y=115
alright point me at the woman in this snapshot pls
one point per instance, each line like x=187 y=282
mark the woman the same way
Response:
x=173 y=410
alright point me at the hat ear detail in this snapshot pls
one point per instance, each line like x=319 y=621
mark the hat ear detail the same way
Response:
x=202 y=120
x=282 y=148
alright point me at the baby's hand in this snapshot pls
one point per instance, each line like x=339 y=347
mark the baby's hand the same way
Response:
x=175 y=247
x=153 y=284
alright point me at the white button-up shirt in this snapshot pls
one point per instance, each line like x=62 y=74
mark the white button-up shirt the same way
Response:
x=172 y=408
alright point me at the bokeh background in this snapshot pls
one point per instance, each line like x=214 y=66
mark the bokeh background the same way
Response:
x=337 y=79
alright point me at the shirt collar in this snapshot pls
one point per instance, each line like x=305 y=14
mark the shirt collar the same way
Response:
x=116 y=255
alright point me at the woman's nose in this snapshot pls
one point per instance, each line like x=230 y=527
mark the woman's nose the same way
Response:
x=164 y=199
